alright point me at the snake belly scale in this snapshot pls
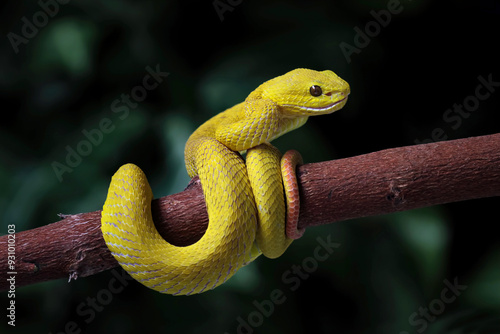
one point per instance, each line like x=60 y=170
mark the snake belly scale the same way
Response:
x=246 y=200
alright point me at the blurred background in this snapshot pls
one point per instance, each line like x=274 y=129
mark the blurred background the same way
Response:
x=77 y=103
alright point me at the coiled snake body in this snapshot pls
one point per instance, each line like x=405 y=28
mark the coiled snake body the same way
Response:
x=245 y=202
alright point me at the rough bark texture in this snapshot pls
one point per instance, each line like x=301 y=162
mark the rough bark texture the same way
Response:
x=377 y=183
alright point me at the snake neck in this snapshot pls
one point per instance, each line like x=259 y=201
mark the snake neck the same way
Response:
x=289 y=124
x=274 y=108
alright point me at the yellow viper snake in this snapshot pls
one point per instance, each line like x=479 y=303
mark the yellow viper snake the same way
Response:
x=245 y=199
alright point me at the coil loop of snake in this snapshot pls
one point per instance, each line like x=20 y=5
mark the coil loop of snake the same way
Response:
x=245 y=200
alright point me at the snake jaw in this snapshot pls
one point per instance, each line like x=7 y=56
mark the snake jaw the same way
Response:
x=328 y=109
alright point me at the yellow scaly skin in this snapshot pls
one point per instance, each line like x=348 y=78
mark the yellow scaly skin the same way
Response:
x=245 y=204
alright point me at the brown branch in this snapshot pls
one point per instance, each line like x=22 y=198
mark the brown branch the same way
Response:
x=382 y=182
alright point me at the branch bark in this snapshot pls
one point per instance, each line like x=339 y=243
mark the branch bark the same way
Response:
x=382 y=182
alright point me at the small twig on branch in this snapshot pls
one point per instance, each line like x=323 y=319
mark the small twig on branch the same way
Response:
x=382 y=182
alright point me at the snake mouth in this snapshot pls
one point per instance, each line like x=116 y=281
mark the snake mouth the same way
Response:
x=323 y=110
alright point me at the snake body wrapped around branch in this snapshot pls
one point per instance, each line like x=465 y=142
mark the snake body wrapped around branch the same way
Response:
x=246 y=199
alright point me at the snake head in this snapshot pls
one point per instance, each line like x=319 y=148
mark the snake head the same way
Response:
x=304 y=92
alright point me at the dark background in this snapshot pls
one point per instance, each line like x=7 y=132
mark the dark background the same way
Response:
x=388 y=273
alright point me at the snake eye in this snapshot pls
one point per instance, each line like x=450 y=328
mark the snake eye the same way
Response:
x=315 y=90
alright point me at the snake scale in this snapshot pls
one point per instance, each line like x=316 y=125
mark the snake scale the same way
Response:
x=246 y=200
